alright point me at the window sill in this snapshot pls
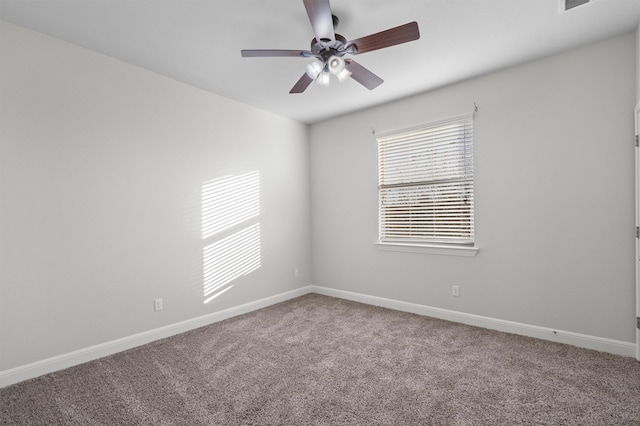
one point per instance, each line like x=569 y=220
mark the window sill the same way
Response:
x=429 y=249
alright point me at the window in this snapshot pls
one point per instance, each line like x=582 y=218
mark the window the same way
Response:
x=425 y=181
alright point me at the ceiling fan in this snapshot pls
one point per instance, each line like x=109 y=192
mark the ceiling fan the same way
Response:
x=329 y=48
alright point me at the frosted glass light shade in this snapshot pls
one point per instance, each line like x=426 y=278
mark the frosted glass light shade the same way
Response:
x=314 y=69
x=345 y=74
x=323 y=79
x=336 y=65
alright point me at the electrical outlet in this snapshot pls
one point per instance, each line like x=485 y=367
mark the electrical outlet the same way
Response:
x=296 y=273
x=157 y=305
x=455 y=291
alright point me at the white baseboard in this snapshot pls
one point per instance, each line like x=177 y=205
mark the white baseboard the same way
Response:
x=49 y=365
x=602 y=344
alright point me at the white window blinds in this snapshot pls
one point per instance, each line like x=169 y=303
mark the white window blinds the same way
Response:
x=425 y=181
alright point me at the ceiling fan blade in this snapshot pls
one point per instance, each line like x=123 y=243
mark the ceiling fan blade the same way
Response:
x=319 y=12
x=363 y=75
x=391 y=37
x=265 y=53
x=302 y=84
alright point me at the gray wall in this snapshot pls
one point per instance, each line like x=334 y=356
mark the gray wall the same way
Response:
x=101 y=172
x=554 y=173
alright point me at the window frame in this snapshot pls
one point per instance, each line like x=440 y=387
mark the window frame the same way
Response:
x=439 y=244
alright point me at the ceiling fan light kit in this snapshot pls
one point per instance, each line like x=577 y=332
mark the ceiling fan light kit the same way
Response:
x=329 y=49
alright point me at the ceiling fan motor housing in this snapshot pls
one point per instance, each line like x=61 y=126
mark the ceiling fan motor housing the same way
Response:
x=325 y=49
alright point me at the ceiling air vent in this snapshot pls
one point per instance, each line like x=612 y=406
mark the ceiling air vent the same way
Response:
x=567 y=5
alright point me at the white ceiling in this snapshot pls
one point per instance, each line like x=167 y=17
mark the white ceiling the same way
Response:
x=198 y=42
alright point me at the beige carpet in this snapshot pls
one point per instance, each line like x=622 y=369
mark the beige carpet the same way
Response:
x=317 y=360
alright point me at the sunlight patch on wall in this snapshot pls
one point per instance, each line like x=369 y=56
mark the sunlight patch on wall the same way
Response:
x=228 y=201
x=231 y=231
x=229 y=259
